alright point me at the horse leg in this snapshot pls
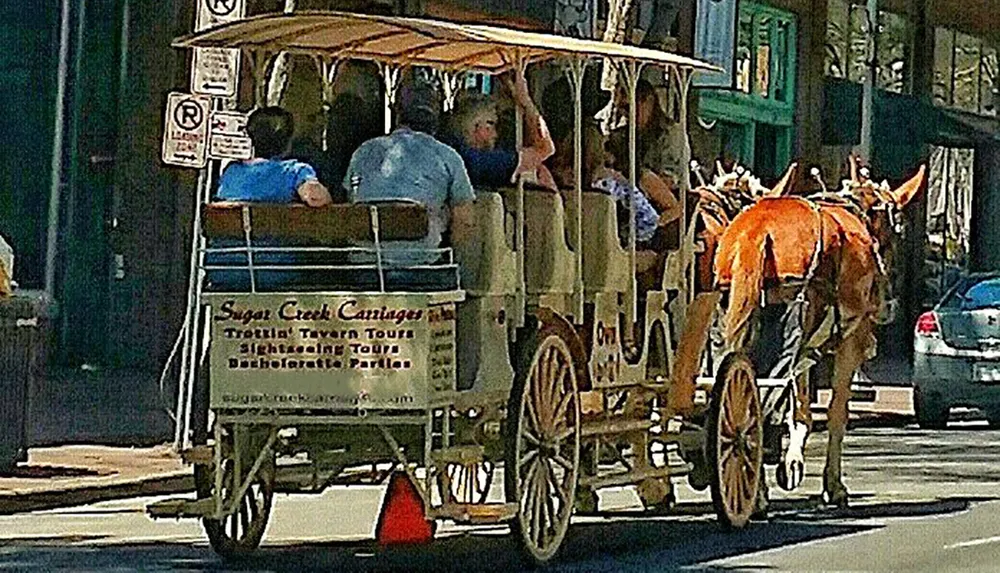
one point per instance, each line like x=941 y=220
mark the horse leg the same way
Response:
x=847 y=359
x=791 y=470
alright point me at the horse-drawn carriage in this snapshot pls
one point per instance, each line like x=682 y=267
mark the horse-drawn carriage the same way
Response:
x=537 y=350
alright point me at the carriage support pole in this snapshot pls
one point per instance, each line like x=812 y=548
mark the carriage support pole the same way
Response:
x=577 y=67
x=631 y=70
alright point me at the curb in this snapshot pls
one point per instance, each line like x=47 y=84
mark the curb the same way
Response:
x=53 y=499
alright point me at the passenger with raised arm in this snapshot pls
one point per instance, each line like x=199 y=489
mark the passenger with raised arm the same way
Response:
x=475 y=137
x=410 y=164
x=270 y=177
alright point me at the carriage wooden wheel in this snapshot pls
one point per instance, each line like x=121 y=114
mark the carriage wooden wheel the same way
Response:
x=467 y=483
x=543 y=454
x=735 y=441
x=240 y=532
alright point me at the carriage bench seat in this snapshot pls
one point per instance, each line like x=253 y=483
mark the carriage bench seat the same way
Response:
x=337 y=225
x=332 y=233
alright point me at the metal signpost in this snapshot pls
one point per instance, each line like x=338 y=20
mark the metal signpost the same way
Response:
x=198 y=128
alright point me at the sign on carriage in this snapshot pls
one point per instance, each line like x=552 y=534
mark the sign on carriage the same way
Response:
x=185 y=130
x=228 y=137
x=330 y=352
x=214 y=71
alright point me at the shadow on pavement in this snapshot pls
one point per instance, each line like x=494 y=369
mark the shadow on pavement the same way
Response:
x=51 y=472
x=609 y=544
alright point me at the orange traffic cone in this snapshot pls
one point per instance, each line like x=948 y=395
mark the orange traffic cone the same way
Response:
x=403 y=518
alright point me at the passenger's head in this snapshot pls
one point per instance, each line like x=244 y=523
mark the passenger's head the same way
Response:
x=593 y=155
x=476 y=121
x=646 y=103
x=270 y=130
x=418 y=107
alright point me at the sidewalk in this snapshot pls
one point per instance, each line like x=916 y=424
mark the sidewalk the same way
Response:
x=84 y=474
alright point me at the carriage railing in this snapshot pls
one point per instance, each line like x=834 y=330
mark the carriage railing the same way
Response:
x=384 y=262
x=374 y=253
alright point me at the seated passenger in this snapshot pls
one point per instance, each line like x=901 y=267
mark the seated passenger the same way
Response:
x=410 y=164
x=658 y=153
x=475 y=137
x=649 y=222
x=267 y=178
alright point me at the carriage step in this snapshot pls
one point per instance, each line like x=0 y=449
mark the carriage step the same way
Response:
x=609 y=427
x=202 y=455
x=626 y=478
x=177 y=508
x=475 y=513
x=458 y=455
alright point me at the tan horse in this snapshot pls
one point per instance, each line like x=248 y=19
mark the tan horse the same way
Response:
x=825 y=258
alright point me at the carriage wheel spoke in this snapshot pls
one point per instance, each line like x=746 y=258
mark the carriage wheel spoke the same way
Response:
x=527 y=459
x=562 y=409
x=566 y=464
x=245 y=514
x=557 y=484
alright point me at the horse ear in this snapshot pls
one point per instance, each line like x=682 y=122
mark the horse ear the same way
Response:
x=718 y=169
x=908 y=190
x=854 y=167
x=783 y=186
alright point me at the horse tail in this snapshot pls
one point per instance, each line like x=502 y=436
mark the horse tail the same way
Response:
x=746 y=288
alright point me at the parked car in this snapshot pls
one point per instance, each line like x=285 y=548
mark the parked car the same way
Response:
x=956 y=358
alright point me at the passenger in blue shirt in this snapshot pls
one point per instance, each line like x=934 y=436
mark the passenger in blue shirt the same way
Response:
x=269 y=177
x=410 y=164
x=475 y=137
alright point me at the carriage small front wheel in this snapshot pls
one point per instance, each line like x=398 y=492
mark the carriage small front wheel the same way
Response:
x=734 y=445
x=543 y=448
x=239 y=533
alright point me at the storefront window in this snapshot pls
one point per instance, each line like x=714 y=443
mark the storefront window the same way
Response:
x=764 y=52
x=892 y=54
x=965 y=70
x=949 y=216
x=852 y=42
x=743 y=51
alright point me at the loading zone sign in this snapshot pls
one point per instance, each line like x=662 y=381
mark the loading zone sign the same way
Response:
x=185 y=131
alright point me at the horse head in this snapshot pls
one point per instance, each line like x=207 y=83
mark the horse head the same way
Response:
x=883 y=207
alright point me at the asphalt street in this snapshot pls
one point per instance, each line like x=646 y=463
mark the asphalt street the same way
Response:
x=921 y=501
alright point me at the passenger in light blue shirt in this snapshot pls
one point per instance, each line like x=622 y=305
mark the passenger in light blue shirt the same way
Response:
x=410 y=164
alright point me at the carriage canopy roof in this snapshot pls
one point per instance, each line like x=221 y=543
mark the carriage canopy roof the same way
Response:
x=413 y=41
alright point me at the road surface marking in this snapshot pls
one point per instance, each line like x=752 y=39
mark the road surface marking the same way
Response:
x=974 y=542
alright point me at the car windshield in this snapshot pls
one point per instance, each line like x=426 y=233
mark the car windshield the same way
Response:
x=975 y=293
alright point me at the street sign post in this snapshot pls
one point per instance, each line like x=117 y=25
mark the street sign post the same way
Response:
x=228 y=136
x=185 y=131
x=214 y=70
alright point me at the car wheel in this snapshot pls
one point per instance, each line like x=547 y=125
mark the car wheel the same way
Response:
x=932 y=413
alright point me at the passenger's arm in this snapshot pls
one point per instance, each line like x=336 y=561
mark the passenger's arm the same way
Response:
x=314 y=194
x=538 y=145
x=660 y=196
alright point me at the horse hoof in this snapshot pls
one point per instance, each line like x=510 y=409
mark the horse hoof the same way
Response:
x=837 y=498
x=790 y=474
x=761 y=505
